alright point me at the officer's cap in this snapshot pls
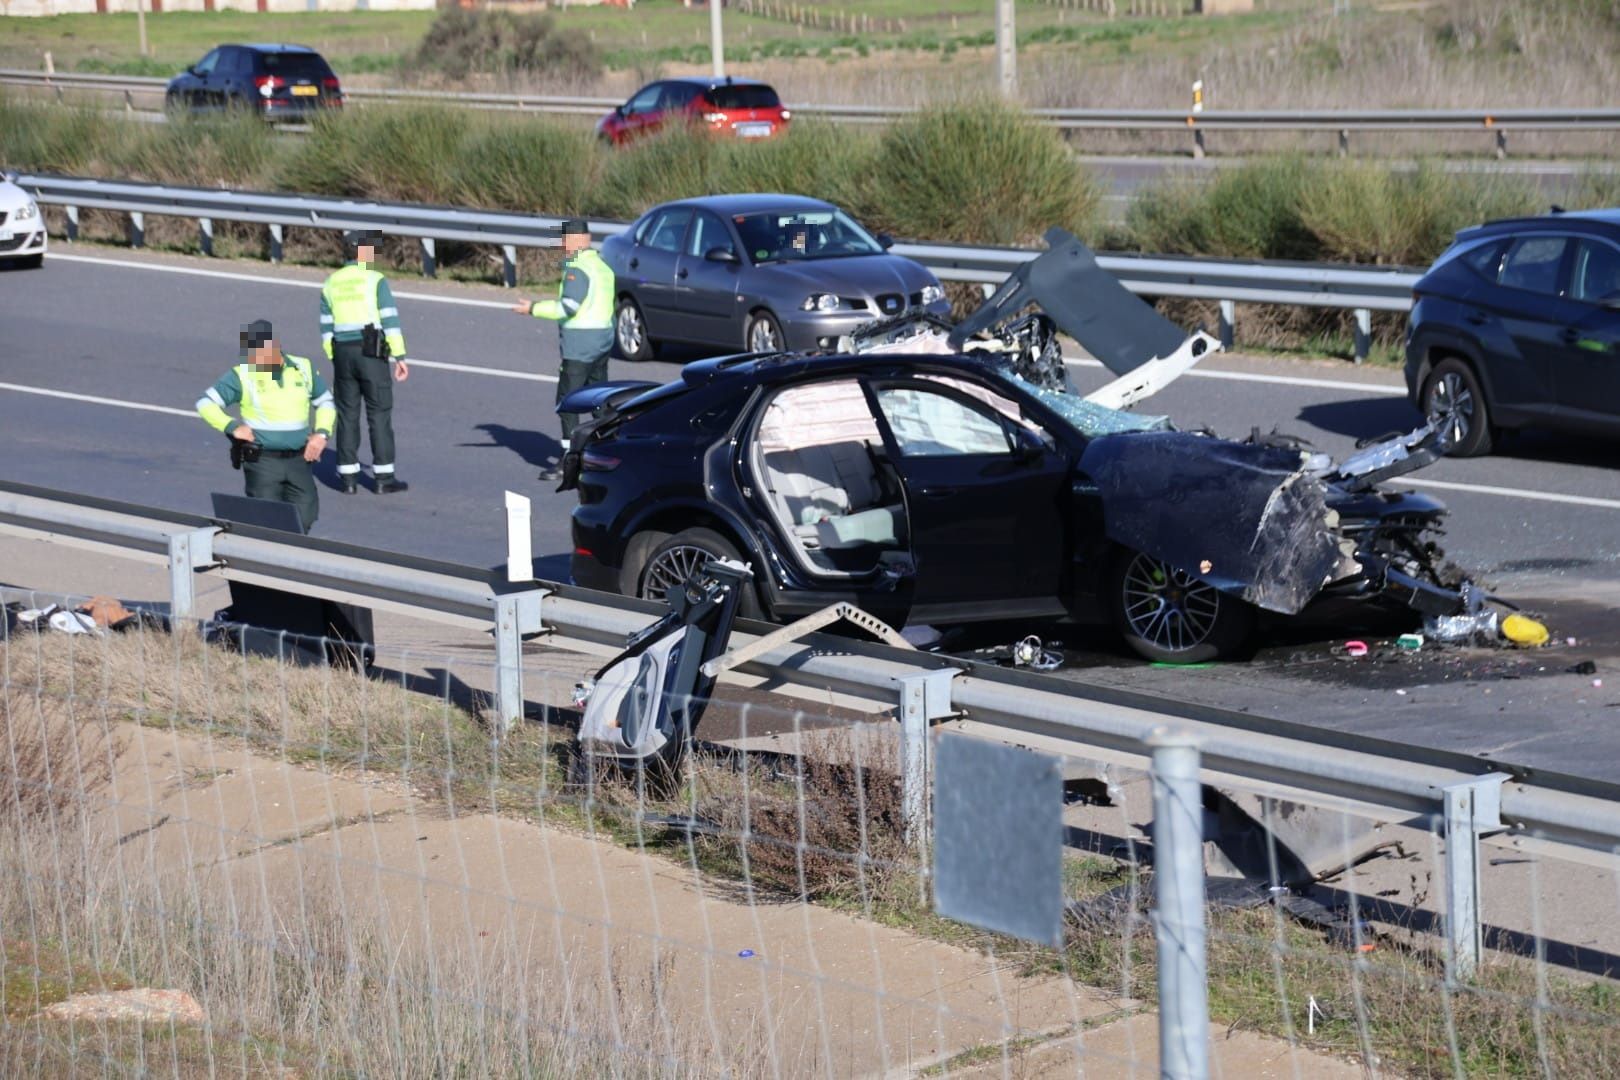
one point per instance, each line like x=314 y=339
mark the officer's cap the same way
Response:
x=255 y=334
x=358 y=238
x=576 y=227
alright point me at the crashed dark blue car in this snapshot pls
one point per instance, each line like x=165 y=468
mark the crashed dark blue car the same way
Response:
x=954 y=483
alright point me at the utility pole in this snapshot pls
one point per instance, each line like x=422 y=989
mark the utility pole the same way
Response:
x=140 y=21
x=1006 y=50
x=716 y=41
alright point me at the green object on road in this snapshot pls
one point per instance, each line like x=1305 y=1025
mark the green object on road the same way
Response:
x=1410 y=642
x=1167 y=664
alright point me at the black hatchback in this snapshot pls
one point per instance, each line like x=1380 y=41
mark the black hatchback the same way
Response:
x=276 y=81
x=1517 y=325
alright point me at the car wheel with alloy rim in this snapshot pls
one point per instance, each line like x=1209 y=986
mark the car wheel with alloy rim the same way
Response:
x=630 y=332
x=1453 y=398
x=1169 y=616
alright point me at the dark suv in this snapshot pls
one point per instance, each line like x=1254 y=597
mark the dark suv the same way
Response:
x=1518 y=325
x=275 y=81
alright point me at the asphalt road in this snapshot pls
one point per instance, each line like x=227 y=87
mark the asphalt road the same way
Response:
x=1540 y=522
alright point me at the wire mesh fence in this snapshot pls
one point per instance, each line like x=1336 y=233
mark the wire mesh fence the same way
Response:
x=222 y=862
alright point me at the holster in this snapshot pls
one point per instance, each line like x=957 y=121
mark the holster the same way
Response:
x=244 y=451
x=373 y=342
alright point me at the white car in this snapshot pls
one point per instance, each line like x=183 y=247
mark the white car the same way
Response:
x=22 y=225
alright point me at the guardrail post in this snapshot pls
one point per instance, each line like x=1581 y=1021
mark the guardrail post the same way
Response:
x=205 y=235
x=1178 y=917
x=430 y=264
x=72 y=222
x=1344 y=142
x=275 y=243
x=1363 y=335
x=137 y=229
x=516 y=614
x=924 y=698
x=1472 y=809
x=1198 y=142
x=509 y=265
x=189 y=552
x=1501 y=143
x=129 y=102
x=1228 y=322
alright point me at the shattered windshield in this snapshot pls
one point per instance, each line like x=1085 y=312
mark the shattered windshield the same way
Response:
x=1089 y=418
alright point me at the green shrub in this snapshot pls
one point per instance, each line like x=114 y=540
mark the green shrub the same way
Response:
x=813 y=158
x=676 y=163
x=1372 y=214
x=1596 y=189
x=238 y=151
x=50 y=138
x=538 y=167
x=1246 y=211
x=462 y=41
x=381 y=153
x=982 y=173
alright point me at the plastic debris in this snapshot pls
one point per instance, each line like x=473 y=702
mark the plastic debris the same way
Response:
x=1522 y=630
x=1355 y=648
x=1597 y=684
x=1400 y=693
x=1475 y=626
x=1585 y=667
x=1571 y=642
x=745 y=954
x=1409 y=642
x=1029 y=653
x=107 y=612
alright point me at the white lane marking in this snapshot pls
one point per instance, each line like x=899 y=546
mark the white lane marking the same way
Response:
x=260 y=279
x=1275 y=380
x=92 y=399
x=1446 y=485
x=498 y=372
x=1515 y=493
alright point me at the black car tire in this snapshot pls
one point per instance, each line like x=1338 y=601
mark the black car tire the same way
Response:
x=626 y=315
x=1208 y=624
x=1453 y=389
x=760 y=325
x=31 y=262
x=669 y=559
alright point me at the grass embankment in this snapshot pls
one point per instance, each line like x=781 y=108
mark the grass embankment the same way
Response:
x=829 y=834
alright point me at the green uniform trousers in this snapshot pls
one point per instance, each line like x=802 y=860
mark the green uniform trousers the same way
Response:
x=571 y=376
x=357 y=378
x=285 y=479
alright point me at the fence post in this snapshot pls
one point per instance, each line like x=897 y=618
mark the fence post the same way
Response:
x=924 y=698
x=1198 y=139
x=1344 y=142
x=275 y=243
x=188 y=552
x=509 y=265
x=516 y=614
x=137 y=229
x=1472 y=809
x=1501 y=143
x=430 y=265
x=1178 y=918
x=205 y=235
x=1228 y=322
x=72 y=222
x=1363 y=333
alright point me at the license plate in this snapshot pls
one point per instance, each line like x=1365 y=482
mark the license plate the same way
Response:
x=305 y=91
x=753 y=131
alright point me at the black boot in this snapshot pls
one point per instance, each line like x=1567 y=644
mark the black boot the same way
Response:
x=348 y=483
x=388 y=484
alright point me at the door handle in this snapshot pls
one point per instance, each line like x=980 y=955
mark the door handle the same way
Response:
x=634 y=263
x=1570 y=335
x=681 y=273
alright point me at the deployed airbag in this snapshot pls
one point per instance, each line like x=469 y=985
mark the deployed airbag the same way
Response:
x=1247 y=519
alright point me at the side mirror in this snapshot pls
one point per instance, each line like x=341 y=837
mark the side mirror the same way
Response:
x=885 y=241
x=721 y=255
x=1031 y=447
x=618 y=110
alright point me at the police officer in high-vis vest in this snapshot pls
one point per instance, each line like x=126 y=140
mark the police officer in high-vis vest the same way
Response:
x=272 y=442
x=362 y=337
x=583 y=311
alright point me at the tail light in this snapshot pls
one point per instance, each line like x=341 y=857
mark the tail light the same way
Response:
x=596 y=461
x=268 y=84
x=787 y=114
x=714 y=117
x=331 y=84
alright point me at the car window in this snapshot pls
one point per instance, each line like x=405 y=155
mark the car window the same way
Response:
x=708 y=232
x=927 y=423
x=676 y=95
x=744 y=97
x=1532 y=264
x=1597 y=272
x=1486 y=260
x=646 y=99
x=814 y=234
x=295 y=65
x=668 y=230
x=207 y=64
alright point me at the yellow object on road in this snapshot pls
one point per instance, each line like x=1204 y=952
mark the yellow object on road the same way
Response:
x=1523 y=631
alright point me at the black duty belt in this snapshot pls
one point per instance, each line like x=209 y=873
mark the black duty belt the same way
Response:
x=281 y=453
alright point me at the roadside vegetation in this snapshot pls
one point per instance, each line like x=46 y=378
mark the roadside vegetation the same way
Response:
x=825 y=832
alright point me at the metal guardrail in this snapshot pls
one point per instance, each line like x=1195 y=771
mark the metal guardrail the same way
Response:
x=1472 y=796
x=1359 y=289
x=1495 y=123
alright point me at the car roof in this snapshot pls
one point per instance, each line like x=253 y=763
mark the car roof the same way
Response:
x=709 y=81
x=771 y=368
x=725 y=205
x=273 y=48
x=1604 y=218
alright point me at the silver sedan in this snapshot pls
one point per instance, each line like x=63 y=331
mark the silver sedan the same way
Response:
x=757 y=273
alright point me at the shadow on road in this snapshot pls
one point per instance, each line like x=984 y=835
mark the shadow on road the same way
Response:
x=534 y=447
x=1362 y=418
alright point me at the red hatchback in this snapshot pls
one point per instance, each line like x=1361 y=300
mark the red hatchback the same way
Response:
x=738 y=107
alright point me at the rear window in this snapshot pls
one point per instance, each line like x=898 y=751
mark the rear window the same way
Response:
x=744 y=97
x=294 y=65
